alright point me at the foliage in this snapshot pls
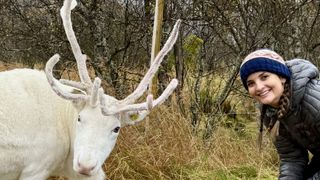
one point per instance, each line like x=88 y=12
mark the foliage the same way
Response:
x=192 y=46
x=245 y=172
x=206 y=100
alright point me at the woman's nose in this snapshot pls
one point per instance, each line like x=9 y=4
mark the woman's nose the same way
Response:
x=259 y=86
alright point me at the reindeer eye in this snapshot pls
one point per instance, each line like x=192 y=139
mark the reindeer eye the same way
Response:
x=79 y=120
x=116 y=130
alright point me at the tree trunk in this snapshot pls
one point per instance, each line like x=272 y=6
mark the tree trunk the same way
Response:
x=179 y=66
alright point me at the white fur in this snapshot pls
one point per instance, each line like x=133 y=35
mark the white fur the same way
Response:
x=40 y=134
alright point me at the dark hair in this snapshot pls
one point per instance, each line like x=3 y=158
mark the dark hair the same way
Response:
x=273 y=123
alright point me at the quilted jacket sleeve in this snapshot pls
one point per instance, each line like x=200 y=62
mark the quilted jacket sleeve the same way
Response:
x=293 y=158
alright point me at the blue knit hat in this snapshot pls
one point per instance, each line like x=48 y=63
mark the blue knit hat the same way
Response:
x=263 y=60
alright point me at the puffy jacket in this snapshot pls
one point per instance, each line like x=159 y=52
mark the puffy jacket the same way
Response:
x=300 y=130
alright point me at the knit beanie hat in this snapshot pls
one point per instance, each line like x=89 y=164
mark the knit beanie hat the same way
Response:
x=263 y=60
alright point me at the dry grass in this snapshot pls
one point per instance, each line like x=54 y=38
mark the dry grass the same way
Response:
x=7 y=66
x=155 y=149
x=166 y=149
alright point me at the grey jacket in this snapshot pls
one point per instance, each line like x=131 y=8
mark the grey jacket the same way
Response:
x=300 y=129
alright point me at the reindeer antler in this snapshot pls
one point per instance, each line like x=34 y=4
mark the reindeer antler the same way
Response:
x=142 y=87
x=93 y=91
x=65 y=13
x=126 y=104
x=53 y=82
x=85 y=83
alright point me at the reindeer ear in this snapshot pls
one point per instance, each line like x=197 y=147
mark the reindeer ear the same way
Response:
x=124 y=118
x=78 y=104
x=131 y=118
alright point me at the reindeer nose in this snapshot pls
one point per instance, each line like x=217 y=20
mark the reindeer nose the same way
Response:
x=85 y=170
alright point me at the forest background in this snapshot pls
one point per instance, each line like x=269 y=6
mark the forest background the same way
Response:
x=208 y=128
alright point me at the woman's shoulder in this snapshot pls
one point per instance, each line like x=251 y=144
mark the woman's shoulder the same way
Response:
x=302 y=71
x=301 y=68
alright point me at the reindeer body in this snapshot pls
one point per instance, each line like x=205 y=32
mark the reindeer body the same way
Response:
x=35 y=124
x=36 y=128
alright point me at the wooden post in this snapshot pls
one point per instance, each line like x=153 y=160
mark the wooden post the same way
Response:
x=156 y=39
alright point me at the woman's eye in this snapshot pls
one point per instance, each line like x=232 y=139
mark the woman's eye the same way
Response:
x=249 y=84
x=264 y=77
x=116 y=130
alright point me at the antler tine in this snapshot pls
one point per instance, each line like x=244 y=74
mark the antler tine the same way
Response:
x=142 y=114
x=112 y=110
x=148 y=105
x=166 y=93
x=149 y=101
x=95 y=92
x=105 y=111
x=53 y=82
x=154 y=66
x=65 y=13
x=73 y=84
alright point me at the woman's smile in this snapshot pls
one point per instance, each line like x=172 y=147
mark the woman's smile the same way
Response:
x=264 y=94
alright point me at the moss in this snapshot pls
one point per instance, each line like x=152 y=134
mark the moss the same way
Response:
x=245 y=172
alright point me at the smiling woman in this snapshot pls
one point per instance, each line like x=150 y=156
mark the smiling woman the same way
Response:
x=289 y=94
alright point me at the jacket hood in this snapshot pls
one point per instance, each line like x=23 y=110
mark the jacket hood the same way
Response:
x=302 y=71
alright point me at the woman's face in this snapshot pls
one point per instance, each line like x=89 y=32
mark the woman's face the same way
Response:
x=266 y=87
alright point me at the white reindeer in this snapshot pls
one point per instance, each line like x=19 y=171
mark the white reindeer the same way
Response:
x=42 y=134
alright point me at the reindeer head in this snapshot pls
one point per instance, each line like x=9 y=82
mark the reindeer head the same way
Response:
x=100 y=116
